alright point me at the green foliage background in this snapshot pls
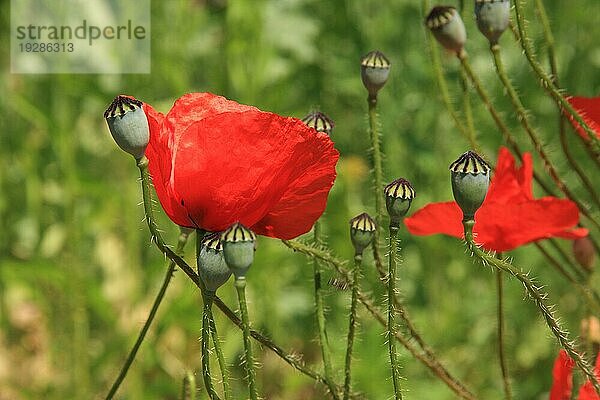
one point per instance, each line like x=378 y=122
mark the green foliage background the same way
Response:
x=78 y=273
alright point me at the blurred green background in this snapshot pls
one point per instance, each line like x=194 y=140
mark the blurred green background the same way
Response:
x=77 y=270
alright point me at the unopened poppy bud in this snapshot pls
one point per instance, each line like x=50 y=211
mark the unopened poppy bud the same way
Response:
x=128 y=125
x=212 y=268
x=492 y=18
x=398 y=196
x=448 y=28
x=584 y=252
x=319 y=122
x=362 y=231
x=238 y=248
x=590 y=329
x=470 y=176
x=374 y=71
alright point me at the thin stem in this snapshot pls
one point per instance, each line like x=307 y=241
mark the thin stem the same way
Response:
x=208 y=384
x=240 y=286
x=181 y=242
x=538 y=297
x=533 y=136
x=352 y=324
x=468 y=111
x=546 y=81
x=392 y=328
x=220 y=355
x=501 y=356
x=575 y=267
x=188 y=387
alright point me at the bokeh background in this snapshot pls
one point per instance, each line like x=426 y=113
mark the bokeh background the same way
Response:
x=77 y=270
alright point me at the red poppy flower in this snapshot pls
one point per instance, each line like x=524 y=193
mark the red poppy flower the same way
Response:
x=509 y=217
x=589 y=108
x=214 y=162
x=562 y=379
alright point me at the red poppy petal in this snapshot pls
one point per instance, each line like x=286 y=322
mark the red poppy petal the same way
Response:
x=562 y=377
x=436 y=218
x=510 y=183
x=504 y=227
x=587 y=391
x=589 y=109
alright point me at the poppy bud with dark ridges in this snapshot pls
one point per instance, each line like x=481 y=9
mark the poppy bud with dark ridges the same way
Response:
x=128 y=125
x=470 y=176
x=362 y=232
x=374 y=71
x=398 y=197
x=584 y=252
x=212 y=268
x=238 y=248
x=448 y=28
x=492 y=18
x=319 y=122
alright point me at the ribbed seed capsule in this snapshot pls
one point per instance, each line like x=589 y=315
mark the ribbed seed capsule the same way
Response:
x=398 y=197
x=470 y=177
x=448 y=28
x=362 y=231
x=128 y=125
x=319 y=122
x=212 y=268
x=374 y=71
x=238 y=248
x=492 y=18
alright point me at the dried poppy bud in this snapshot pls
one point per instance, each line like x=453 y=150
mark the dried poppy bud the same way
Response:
x=362 y=231
x=238 y=248
x=319 y=122
x=447 y=27
x=492 y=18
x=398 y=196
x=374 y=71
x=590 y=329
x=470 y=176
x=128 y=125
x=212 y=268
x=584 y=252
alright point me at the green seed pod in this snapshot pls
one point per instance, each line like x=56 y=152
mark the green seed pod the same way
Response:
x=584 y=252
x=319 y=122
x=492 y=17
x=398 y=196
x=128 y=125
x=470 y=176
x=212 y=268
x=362 y=231
x=374 y=71
x=238 y=248
x=448 y=28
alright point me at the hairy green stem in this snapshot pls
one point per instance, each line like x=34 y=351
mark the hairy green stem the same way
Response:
x=240 y=286
x=188 y=387
x=220 y=356
x=208 y=384
x=538 y=297
x=392 y=328
x=501 y=355
x=320 y=315
x=352 y=324
x=181 y=242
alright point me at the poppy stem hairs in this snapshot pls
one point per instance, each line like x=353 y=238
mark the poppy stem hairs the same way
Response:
x=206 y=328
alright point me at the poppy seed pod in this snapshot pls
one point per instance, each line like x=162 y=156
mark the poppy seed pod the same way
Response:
x=362 y=231
x=128 y=125
x=448 y=28
x=374 y=71
x=470 y=176
x=319 y=122
x=238 y=248
x=584 y=252
x=398 y=197
x=492 y=18
x=212 y=268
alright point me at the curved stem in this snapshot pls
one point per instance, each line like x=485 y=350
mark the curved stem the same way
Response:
x=240 y=286
x=183 y=237
x=539 y=298
x=212 y=393
x=501 y=357
x=392 y=328
x=352 y=324
x=220 y=355
x=320 y=314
